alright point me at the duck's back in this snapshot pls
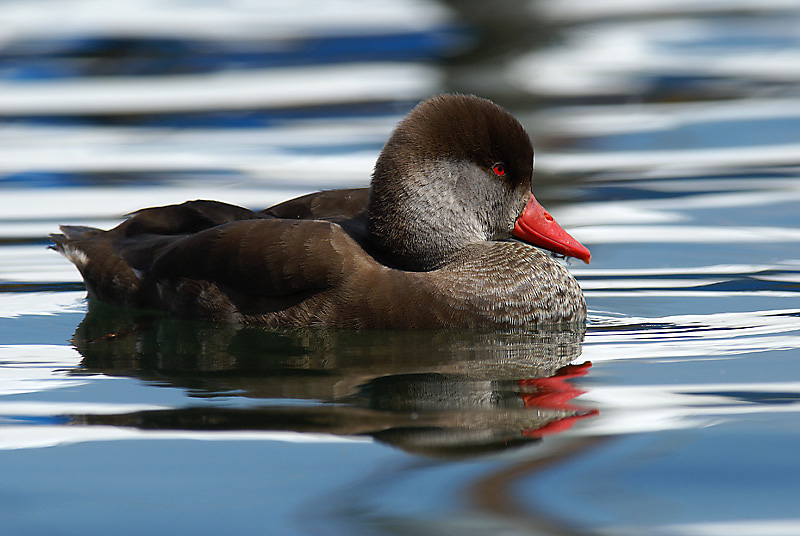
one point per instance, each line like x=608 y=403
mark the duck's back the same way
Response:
x=329 y=205
x=217 y=261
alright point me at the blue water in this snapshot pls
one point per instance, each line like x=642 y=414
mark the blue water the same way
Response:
x=667 y=140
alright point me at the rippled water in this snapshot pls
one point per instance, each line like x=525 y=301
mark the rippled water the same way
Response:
x=668 y=141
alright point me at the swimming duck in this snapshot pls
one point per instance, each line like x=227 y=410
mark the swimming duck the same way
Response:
x=428 y=245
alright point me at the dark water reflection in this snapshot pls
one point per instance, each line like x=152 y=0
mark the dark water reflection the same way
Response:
x=444 y=393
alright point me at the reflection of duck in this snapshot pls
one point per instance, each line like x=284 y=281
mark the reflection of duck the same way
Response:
x=424 y=247
x=451 y=392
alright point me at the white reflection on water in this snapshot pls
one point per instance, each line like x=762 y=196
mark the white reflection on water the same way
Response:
x=84 y=204
x=584 y=162
x=692 y=336
x=689 y=195
x=16 y=304
x=296 y=86
x=217 y=19
x=22 y=264
x=39 y=436
x=601 y=120
x=30 y=368
x=767 y=527
x=159 y=152
x=641 y=409
x=685 y=234
x=591 y=9
x=299 y=144
x=612 y=58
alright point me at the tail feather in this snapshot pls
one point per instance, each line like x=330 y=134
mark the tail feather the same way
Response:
x=66 y=244
x=79 y=232
x=107 y=275
x=58 y=240
x=71 y=233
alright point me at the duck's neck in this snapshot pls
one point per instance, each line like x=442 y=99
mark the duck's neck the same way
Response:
x=416 y=222
x=423 y=221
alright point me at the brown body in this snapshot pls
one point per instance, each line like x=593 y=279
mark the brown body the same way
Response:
x=379 y=258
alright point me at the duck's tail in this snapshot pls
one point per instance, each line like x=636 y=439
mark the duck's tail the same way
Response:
x=108 y=277
x=68 y=243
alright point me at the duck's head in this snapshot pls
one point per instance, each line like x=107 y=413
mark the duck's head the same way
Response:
x=457 y=170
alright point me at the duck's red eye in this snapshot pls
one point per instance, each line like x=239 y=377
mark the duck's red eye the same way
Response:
x=499 y=169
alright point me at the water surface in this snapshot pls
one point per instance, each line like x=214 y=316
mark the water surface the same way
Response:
x=667 y=138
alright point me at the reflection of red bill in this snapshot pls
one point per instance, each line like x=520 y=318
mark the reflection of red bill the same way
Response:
x=555 y=392
x=559 y=425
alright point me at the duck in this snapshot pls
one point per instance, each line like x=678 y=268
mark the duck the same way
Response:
x=447 y=235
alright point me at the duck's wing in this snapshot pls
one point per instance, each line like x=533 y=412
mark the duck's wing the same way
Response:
x=114 y=262
x=254 y=268
x=209 y=260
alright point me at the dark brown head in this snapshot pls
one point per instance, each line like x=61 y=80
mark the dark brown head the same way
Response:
x=456 y=170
